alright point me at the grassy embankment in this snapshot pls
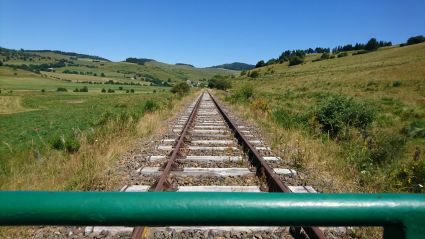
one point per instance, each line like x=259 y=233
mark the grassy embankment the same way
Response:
x=353 y=124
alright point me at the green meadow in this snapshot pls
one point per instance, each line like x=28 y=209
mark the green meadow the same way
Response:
x=363 y=115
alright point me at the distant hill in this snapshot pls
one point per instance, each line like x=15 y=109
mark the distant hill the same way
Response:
x=140 y=61
x=75 y=67
x=184 y=64
x=73 y=54
x=236 y=66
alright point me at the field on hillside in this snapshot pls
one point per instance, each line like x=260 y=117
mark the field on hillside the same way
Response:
x=78 y=69
x=363 y=115
x=78 y=116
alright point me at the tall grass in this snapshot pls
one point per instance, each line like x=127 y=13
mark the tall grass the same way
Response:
x=90 y=167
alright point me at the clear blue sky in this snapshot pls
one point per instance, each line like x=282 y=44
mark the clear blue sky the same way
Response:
x=203 y=33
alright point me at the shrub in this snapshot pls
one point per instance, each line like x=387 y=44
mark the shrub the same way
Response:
x=127 y=91
x=295 y=60
x=219 y=83
x=150 y=106
x=253 y=74
x=42 y=91
x=397 y=83
x=325 y=56
x=415 y=129
x=111 y=91
x=64 y=142
x=131 y=90
x=102 y=74
x=103 y=90
x=340 y=112
x=385 y=146
x=412 y=176
x=72 y=144
x=61 y=89
x=260 y=104
x=120 y=88
x=180 y=89
x=342 y=54
x=360 y=52
x=415 y=40
x=243 y=94
x=76 y=90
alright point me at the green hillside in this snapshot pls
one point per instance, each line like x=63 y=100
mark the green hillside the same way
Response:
x=362 y=114
x=73 y=67
x=238 y=66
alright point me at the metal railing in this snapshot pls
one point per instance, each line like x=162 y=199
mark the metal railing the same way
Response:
x=401 y=215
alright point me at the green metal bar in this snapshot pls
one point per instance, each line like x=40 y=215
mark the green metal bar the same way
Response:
x=398 y=213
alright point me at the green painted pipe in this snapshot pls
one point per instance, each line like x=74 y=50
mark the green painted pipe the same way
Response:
x=399 y=213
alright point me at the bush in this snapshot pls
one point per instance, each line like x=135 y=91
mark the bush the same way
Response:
x=397 y=83
x=412 y=176
x=131 y=90
x=325 y=56
x=84 y=89
x=180 y=89
x=385 y=146
x=415 y=129
x=243 y=94
x=67 y=143
x=295 y=60
x=150 y=106
x=253 y=74
x=76 y=90
x=103 y=90
x=61 y=89
x=261 y=104
x=111 y=91
x=219 y=83
x=42 y=91
x=342 y=54
x=415 y=40
x=360 y=52
x=339 y=112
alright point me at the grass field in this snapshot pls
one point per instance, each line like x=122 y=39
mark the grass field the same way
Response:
x=388 y=85
x=43 y=130
x=91 y=70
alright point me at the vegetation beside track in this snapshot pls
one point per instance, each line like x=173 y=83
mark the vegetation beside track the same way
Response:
x=354 y=123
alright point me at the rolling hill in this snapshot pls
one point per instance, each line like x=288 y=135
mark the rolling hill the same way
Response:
x=75 y=67
x=237 y=66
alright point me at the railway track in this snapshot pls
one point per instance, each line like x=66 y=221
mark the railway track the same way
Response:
x=207 y=149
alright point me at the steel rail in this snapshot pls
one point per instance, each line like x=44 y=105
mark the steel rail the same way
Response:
x=159 y=184
x=273 y=180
